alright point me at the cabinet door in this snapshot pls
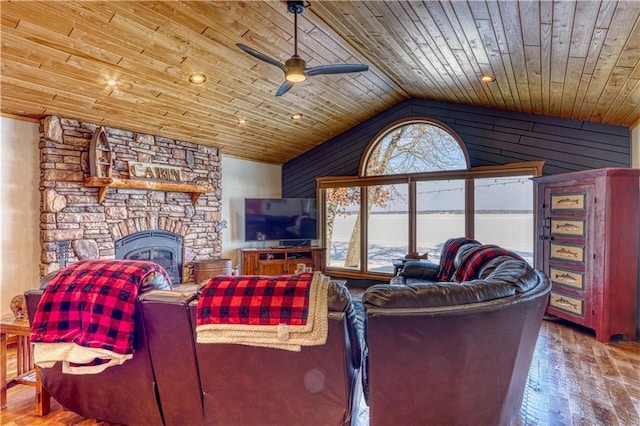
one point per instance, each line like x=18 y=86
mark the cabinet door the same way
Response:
x=249 y=262
x=565 y=230
x=271 y=268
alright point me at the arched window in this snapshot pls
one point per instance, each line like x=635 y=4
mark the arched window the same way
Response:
x=415 y=190
x=414 y=146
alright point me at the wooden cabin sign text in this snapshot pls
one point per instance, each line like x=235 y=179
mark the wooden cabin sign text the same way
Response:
x=150 y=171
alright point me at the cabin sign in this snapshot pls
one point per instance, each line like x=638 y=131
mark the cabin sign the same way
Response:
x=150 y=171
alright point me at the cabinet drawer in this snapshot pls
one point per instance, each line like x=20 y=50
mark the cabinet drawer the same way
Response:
x=571 y=304
x=565 y=277
x=567 y=227
x=569 y=252
x=569 y=201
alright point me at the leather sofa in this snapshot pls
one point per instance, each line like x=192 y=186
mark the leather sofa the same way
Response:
x=436 y=353
x=124 y=394
x=452 y=353
x=173 y=380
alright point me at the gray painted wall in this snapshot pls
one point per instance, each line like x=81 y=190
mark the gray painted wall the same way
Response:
x=492 y=137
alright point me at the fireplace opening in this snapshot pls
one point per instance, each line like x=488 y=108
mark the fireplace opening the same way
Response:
x=161 y=247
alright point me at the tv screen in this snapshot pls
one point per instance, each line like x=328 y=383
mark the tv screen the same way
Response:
x=280 y=219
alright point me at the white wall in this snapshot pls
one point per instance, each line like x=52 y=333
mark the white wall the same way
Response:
x=20 y=212
x=242 y=179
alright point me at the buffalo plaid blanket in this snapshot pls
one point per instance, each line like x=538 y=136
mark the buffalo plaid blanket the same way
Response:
x=449 y=251
x=85 y=315
x=284 y=312
x=476 y=257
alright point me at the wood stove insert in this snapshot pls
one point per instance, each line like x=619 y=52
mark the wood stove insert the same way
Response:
x=161 y=247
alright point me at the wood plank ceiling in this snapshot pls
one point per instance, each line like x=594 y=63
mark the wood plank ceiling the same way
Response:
x=577 y=60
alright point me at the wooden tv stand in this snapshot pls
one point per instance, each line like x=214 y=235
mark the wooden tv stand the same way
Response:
x=277 y=261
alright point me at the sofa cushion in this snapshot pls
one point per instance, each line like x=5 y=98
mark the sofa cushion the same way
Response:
x=462 y=253
x=506 y=279
x=420 y=269
x=473 y=260
x=428 y=295
x=518 y=273
x=488 y=267
x=447 y=258
x=339 y=300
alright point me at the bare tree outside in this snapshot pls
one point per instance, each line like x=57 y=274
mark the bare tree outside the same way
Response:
x=410 y=148
x=415 y=148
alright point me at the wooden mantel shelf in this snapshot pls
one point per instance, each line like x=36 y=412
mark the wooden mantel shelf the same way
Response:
x=196 y=189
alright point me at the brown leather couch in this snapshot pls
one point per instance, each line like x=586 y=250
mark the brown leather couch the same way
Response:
x=124 y=394
x=452 y=353
x=173 y=380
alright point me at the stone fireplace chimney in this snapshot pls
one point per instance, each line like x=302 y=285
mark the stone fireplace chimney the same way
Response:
x=71 y=211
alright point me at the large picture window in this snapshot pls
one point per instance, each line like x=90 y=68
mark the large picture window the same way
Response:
x=387 y=226
x=341 y=227
x=503 y=213
x=440 y=213
x=416 y=190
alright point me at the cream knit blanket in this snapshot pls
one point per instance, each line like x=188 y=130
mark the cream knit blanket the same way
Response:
x=45 y=355
x=282 y=336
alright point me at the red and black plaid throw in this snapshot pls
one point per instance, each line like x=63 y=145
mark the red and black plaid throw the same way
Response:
x=255 y=300
x=91 y=303
x=449 y=251
x=476 y=257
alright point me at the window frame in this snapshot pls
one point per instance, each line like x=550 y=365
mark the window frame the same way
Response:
x=533 y=168
x=368 y=151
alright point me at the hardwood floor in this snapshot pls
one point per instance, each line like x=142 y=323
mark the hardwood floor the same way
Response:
x=574 y=380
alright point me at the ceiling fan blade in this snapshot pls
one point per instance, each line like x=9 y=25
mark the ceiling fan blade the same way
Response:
x=336 y=69
x=284 y=88
x=262 y=57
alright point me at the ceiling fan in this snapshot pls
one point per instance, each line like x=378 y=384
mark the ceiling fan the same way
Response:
x=295 y=68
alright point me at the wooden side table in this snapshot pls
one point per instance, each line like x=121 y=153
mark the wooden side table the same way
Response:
x=27 y=372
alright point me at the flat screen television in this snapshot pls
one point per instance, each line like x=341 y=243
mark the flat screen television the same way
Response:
x=291 y=221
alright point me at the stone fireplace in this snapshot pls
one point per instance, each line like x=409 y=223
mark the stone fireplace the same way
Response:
x=172 y=228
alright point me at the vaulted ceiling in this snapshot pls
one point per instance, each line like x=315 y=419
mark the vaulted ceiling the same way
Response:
x=127 y=64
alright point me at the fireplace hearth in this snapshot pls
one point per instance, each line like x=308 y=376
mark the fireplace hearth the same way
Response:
x=161 y=247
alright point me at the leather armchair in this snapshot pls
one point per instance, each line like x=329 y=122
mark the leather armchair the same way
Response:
x=453 y=353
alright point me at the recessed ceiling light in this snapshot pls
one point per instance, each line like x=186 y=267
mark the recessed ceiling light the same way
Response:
x=242 y=121
x=112 y=82
x=297 y=116
x=486 y=78
x=197 y=78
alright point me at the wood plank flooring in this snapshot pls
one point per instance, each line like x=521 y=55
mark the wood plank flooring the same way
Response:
x=574 y=380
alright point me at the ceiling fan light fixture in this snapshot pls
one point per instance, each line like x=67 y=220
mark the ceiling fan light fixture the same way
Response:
x=295 y=76
x=295 y=70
